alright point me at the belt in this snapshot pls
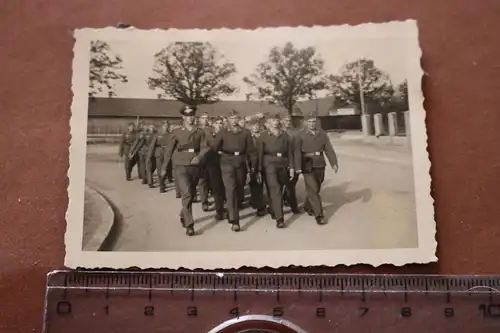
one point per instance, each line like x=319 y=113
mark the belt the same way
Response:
x=317 y=153
x=234 y=153
x=277 y=154
x=189 y=150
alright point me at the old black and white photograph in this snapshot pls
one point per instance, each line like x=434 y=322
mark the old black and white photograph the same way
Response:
x=269 y=147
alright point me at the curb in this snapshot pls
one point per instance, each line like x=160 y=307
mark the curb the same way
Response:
x=106 y=216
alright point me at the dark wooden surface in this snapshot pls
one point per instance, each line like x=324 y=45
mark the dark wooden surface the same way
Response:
x=460 y=55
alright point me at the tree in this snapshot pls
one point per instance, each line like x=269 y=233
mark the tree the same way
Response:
x=191 y=72
x=401 y=96
x=104 y=69
x=361 y=82
x=288 y=75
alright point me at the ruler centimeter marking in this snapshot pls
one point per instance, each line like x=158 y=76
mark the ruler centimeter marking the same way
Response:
x=261 y=282
x=67 y=291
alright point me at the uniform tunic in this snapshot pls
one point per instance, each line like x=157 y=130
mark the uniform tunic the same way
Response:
x=184 y=145
x=236 y=149
x=275 y=160
x=311 y=147
x=126 y=143
x=156 y=152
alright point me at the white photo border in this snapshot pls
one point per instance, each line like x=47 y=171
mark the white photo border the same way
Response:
x=77 y=258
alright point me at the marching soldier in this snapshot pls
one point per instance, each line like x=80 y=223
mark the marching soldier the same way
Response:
x=149 y=164
x=311 y=144
x=213 y=169
x=236 y=147
x=277 y=163
x=204 y=184
x=170 y=167
x=186 y=149
x=242 y=122
x=141 y=141
x=256 y=183
x=290 y=195
x=156 y=153
x=126 y=143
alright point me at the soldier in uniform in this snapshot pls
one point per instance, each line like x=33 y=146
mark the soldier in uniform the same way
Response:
x=140 y=140
x=212 y=169
x=170 y=167
x=204 y=184
x=236 y=147
x=276 y=160
x=311 y=144
x=126 y=142
x=256 y=183
x=149 y=164
x=290 y=195
x=156 y=153
x=186 y=149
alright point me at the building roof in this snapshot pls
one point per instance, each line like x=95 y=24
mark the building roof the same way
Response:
x=134 y=107
x=322 y=106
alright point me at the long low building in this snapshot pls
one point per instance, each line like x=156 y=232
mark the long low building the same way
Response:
x=112 y=115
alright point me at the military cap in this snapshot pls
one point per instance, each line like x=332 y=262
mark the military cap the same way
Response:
x=310 y=115
x=219 y=118
x=274 y=115
x=187 y=110
x=233 y=113
x=253 y=121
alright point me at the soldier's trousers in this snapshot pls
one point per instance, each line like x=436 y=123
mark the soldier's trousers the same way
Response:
x=151 y=166
x=276 y=180
x=170 y=177
x=214 y=178
x=204 y=184
x=313 y=181
x=234 y=182
x=256 y=192
x=156 y=164
x=129 y=164
x=141 y=164
x=187 y=178
x=170 y=172
x=291 y=194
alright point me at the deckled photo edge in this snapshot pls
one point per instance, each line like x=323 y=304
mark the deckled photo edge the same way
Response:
x=420 y=155
x=396 y=28
x=77 y=148
x=76 y=257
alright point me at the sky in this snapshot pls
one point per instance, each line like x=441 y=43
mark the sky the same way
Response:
x=389 y=54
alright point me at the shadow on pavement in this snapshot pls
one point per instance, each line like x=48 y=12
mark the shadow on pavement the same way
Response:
x=251 y=222
x=292 y=219
x=338 y=196
x=207 y=226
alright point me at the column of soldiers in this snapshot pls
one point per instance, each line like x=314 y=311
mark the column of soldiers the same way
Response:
x=224 y=156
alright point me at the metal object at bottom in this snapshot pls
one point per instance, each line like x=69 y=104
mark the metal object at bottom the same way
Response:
x=213 y=302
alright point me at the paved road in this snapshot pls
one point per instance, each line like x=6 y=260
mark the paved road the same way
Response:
x=369 y=204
